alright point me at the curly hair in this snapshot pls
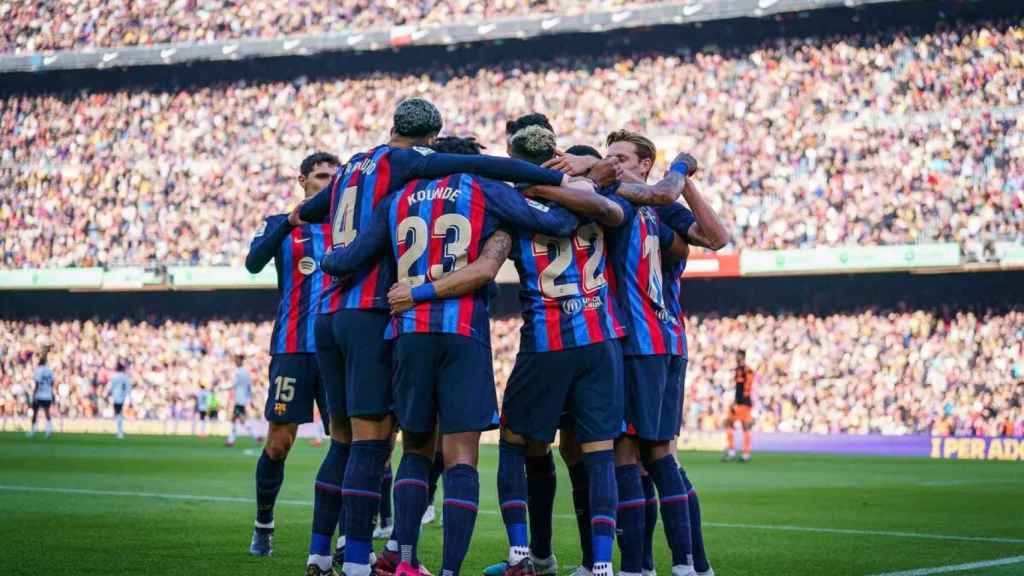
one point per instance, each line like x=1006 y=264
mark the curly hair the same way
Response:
x=534 y=144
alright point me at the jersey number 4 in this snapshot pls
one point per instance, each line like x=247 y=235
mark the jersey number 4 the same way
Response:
x=455 y=246
x=343 y=230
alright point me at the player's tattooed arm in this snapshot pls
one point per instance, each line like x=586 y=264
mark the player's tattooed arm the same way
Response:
x=581 y=199
x=477 y=274
x=708 y=231
x=664 y=192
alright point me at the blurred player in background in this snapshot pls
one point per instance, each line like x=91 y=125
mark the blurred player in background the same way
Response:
x=295 y=382
x=741 y=411
x=120 y=387
x=42 y=396
x=241 y=387
x=200 y=411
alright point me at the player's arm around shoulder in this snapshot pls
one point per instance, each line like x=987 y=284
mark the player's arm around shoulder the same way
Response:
x=580 y=197
x=467 y=279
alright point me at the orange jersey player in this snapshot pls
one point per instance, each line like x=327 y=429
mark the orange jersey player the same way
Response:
x=741 y=411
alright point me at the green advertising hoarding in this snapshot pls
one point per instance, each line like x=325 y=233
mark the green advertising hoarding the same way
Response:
x=197 y=277
x=850 y=258
x=52 y=278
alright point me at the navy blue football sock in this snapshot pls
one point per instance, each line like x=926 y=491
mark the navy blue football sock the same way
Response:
x=436 y=469
x=700 y=556
x=650 y=519
x=410 y=501
x=269 y=476
x=327 y=497
x=581 y=504
x=361 y=492
x=512 y=496
x=461 y=503
x=384 y=512
x=603 y=504
x=541 y=485
x=630 y=518
x=675 y=510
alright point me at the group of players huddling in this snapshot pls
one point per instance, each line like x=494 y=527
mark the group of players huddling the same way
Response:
x=384 y=274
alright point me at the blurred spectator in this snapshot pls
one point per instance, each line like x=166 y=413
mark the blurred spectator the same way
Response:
x=37 y=25
x=874 y=139
x=867 y=373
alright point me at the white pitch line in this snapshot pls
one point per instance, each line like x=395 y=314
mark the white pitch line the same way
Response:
x=957 y=567
x=769 y=527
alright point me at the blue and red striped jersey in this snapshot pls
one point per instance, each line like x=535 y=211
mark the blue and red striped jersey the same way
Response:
x=435 y=227
x=678 y=219
x=563 y=290
x=359 y=185
x=634 y=249
x=300 y=282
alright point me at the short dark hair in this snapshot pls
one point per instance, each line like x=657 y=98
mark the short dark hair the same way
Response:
x=457 y=145
x=645 y=148
x=535 y=144
x=583 y=150
x=534 y=119
x=310 y=162
x=416 y=118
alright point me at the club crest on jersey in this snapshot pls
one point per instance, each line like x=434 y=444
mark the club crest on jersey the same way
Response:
x=307 y=265
x=574 y=306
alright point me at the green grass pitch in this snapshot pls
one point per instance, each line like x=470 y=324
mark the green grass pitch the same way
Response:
x=86 y=505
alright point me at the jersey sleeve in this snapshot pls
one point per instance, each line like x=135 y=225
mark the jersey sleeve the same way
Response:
x=370 y=245
x=666 y=235
x=678 y=217
x=415 y=164
x=265 y=244
x=317 y=209
x=512 y=208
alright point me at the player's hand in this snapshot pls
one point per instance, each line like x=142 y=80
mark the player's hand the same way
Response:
x=690 y=161
x=293 y=217
x=400 y=297
x=604 y=172
x=570 y=164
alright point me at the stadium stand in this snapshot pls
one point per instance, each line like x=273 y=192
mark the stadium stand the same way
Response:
x=957 y=373
x=66 y=25
x=893 y=137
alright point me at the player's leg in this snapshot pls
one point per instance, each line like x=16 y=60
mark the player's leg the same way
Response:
x=435 y=476
x=748 y=427
x=327 y=498
x=660 y=461
x=644 y=378
x=49 y=419
x=415 y=365
x=385 y=519
x=650 y=522
x=534 y=399
x=730 y=436
x=119 y=419
x=541 y=486
x=465 y=410
x=598 y=409
x=368 y=370
x=700 y=557
x=572 y=455
x=35 y=413
x=269 y=477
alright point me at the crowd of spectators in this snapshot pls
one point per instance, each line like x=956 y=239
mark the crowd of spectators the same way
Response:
x=875 y=139
x=867 y=373
x=46 y=25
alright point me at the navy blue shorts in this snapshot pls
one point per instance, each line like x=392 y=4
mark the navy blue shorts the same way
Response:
x=355 y=361
x=585 y=382
x=445 y=379
x=654 y=396
x=295 y=385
